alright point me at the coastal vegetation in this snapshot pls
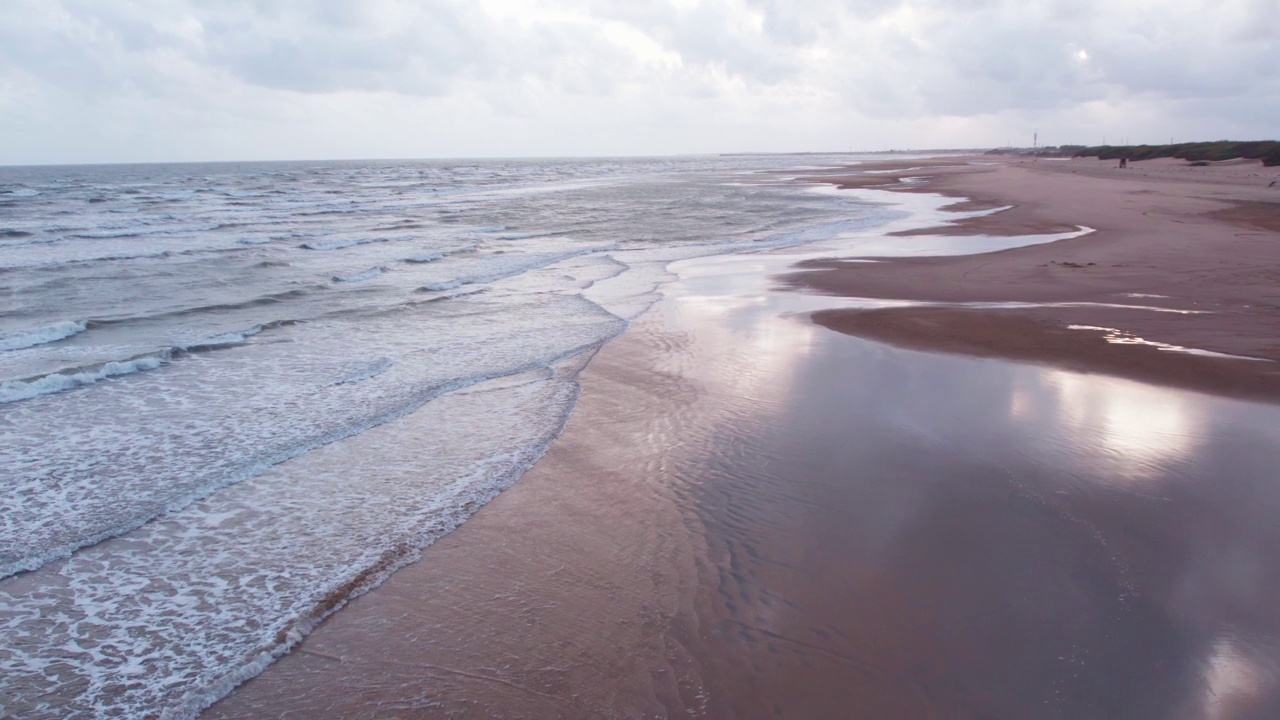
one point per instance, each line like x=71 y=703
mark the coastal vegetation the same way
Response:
x=1268 y=151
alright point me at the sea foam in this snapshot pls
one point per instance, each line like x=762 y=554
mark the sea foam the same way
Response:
x=16 y=390
x=30 y=337
x=295 y=470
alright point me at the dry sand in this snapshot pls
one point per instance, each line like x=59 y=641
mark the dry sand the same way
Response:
x=1204 y=240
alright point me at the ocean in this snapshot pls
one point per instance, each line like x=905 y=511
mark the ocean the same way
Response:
x=234 y=396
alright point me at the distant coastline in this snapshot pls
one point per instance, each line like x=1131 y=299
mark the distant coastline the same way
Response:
x=1268 y=151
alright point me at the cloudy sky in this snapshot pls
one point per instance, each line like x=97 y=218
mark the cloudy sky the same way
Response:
x=155 y=80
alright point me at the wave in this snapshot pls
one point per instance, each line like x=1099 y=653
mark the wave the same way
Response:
x=219 y=307
x=253 y=241
x=107 y=234
x=450 y=284
x=16 y=390
x=441 y=298
x=113 y=233
x=298 y=235
x=408 y=404
x=52 y=332
x=540 y=262
x=23 y=242
x=333 y=211
x=511 y=467
x=422 y=259
x=526 y=236
x=118 y=257
x=369 y=274
x=496 y=474
x=340 y=244
x=220 y=342
x=14 y=233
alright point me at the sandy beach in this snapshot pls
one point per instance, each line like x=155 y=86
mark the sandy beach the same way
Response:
x=1198 y=243
x=938 y=511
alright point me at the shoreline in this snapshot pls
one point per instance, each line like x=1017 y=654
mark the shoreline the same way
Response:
x=749 y=514
x=1201 y=244
x=554 y=600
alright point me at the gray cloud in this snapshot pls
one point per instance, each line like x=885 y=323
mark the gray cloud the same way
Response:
x=323 y=77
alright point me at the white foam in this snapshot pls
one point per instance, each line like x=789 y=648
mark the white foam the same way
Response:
x=516 y=265
x=16 y=390
x=30 y=337
x=253 y=482
x=1121 y=337
x=257 y=597
x=253 y=415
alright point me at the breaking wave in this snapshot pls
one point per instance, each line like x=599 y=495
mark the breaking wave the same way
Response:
x=31 y=337
x=541 y=262
x=369 y=274
x=16 y=390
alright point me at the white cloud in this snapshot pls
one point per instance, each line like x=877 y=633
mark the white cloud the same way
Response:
x=106 y=80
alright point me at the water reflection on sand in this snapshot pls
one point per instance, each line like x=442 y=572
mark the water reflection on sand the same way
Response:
x=753 y=516
x=904 y=534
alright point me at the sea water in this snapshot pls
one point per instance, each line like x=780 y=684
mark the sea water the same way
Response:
x=234 y=396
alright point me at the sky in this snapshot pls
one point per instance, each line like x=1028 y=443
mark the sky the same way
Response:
x=186 y=80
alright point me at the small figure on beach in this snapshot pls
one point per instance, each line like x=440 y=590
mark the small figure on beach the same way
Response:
x=1124 y=163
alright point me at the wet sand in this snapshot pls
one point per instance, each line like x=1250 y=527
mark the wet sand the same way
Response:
x=1060 y=337
x=1201 y=240
x=750 y=515
x=557 y=599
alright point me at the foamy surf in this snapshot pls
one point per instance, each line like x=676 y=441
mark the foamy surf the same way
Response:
x=30 y=337
x=513 y=266
x=264 y=601
x=15 y=390
x=306 y=435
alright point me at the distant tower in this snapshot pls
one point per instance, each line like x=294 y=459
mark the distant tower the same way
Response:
x=1035 y=140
